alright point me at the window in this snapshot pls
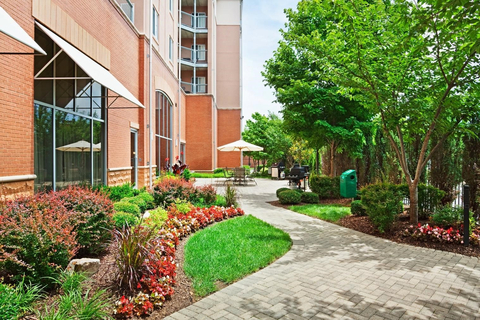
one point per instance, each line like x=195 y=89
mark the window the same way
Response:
x=155 y=23
x=201 y=20
x=69 y=117
x=199 y=85
x=163 y=131
x=127 y=7
x=171 y=5
x=201 y=53
x=170 y=49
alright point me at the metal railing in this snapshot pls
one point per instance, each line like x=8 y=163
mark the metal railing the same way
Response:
x=189 y=87
x=195 y=22
x=194 y=56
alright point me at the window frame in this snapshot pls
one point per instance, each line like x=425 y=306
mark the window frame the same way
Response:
x=155 y=18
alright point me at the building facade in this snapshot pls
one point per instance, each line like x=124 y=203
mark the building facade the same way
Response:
x=126 y=88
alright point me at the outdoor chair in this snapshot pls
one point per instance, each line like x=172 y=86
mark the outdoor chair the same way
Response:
x=228 y=175
x=239 y=175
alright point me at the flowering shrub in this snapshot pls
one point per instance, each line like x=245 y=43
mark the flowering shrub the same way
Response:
x=37 y=238
x=94 y=211
x=169 y=188
x=207 y=193
x=428 y=233
x=156 y=273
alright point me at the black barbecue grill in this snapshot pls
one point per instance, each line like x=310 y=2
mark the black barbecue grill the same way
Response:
x=297 y=174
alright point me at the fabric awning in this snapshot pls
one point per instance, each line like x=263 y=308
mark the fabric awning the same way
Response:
x=93 y=69
x=12 y=29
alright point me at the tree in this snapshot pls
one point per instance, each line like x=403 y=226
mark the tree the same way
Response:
x=415 y=63
x=266 y=132
x=312 y=107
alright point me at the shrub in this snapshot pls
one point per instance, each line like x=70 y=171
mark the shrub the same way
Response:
x=14 y=301
x=451 y=217
x=127 y=207
x=280 y=190
x=37 y=238
x=325 y=187
x=289 y=197
x=357 y=208
x=139 y=201
x=207 y=193
x=156 y=217
x=117 y=193
x=94 y=213
x=231 y=196
x=124 y=219
x=149 y=200
x=383 y=202
x=186 y=174
x=168 y=188
x=180 y=206
x=310 y=197
x=429 y=199
x=220 y=201
x=218 y=170
x=299 y=190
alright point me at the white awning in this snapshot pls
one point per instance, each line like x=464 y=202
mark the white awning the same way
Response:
x=12 y=29
x=93 y=69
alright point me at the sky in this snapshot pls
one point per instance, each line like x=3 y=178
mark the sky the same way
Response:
x=261 y=22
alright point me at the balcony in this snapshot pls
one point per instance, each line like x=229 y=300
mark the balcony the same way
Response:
x=194 y=58
x=194 y=24
x=190 y=87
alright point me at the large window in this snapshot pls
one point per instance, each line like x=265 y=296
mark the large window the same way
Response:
x=69 y=117
x=163 y=131
x=155 y=22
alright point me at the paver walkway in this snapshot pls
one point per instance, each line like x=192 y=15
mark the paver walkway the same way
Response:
x=336 y=273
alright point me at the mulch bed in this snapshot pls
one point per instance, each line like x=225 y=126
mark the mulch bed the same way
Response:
x=364 y=225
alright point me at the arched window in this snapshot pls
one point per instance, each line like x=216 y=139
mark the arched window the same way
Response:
x=163 y=130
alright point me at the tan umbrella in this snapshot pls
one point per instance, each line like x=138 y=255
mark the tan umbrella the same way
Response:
x=240 y=145
x=80 y=146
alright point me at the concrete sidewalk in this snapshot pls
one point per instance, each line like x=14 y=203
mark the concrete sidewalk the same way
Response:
x=336 y=273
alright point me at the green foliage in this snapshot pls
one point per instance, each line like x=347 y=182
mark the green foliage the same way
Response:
x=148 y=198
x=357 y=208
x=71 y=281
x=280 y=190
x=157 y=218
x=207 y=175
x=125 y=206
x=429 y=198
x=299 y=190
x=310 y=197
x=16 y=300
x=218 y=170
x=231 y=196
x=207 y=193
x=186 y=174
x=383 y=203
x=138 y=201
x=247 y=168
x=447 y=217
x=289 y=197
x=220 y=201
x=325 y=187
x=230 y=250
x=330 y=212
x=117 y=193
x=124 y=219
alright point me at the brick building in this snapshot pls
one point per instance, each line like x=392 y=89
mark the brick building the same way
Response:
x=125 y=87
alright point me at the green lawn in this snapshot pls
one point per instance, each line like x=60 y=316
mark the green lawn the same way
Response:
x=230 y=250
x=207 y=175
x=328 y=212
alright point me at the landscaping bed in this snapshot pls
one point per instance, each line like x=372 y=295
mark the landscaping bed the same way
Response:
x=396 y=233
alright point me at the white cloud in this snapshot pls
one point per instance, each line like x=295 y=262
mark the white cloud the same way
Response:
x=262 y=20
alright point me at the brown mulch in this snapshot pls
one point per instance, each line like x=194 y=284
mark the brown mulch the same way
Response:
x=364 y=225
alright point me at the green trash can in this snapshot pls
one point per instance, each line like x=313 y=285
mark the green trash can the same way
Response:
x=348 y=184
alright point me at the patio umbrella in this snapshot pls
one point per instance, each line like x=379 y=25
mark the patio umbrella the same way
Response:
x=80 y=146
x=240 y=145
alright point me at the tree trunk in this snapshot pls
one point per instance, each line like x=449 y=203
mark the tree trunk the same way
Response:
x=413 y=188
x=332 y=159
x=317 y=161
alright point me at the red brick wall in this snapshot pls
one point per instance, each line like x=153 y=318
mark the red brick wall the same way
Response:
x=199 y=132
x=228 y=127
x=16 y=96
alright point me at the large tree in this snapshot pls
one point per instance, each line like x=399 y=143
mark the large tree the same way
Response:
x=313 y=109
x=415 y=63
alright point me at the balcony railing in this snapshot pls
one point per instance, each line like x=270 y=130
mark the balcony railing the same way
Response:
x=198 y=56
x=189 y=87
x=196 y=22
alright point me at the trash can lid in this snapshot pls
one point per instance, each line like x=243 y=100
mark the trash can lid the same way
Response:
x=348 y=172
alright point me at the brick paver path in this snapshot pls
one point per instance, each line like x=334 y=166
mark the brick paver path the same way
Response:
x=335 y=273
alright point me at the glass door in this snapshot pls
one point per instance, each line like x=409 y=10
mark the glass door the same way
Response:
x=134 y=155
